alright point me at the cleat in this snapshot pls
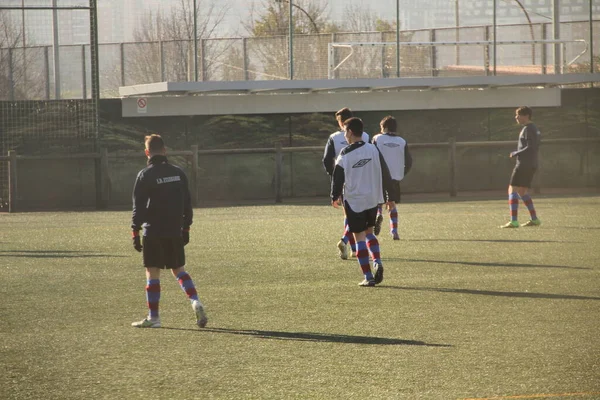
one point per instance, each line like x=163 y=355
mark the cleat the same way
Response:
x=511 y=224
x=343 y=250
x=395 y=236
x=201 y=318
x=367 y=283
x=147 y=323
x=533 y=222
x=377 y=228
x=378 y=275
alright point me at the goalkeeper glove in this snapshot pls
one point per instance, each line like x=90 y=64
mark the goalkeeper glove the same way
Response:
x=185 y=234
x=137 y=243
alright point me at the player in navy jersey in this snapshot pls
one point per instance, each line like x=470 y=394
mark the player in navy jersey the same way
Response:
x=336 y=142
x=362 y=177
x=399 y=160
x=525 y=168
x=162 y=207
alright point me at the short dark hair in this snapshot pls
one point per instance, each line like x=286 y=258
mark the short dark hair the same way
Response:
x=343 y=114
x=389 y=124
x=154 y=143
x=355 y=125
x=524 y=110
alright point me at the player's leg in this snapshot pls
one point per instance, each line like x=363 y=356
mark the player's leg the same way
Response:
x=342 y=244
x=378 y=220
x=513 y=199
x=373 y=246
x=176 y=262
x=153 y=256
x=523 y=192
x=393 y=210
x=357 y=223
x=394 y=222
x=152 y=299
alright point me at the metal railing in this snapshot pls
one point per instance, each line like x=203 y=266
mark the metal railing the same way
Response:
x=426 y=52
x=456 y=151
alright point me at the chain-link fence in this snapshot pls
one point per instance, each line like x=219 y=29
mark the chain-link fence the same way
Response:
x=28 y=73
x=47 y=106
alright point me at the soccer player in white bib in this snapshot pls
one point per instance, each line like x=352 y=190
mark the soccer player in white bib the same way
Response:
x=399 y=160
x=336 y=142
x=362 y=177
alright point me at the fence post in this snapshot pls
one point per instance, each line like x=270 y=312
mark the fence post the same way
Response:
x=245 y=58
x=452 y=166
x=11 y=80
x=105 y=178
x=46 y=74
x=83 y=74
x=122 y=62
x=434 y=63
x=278 y=171
x=12 y=181
x=194 y=175
x=537 y=181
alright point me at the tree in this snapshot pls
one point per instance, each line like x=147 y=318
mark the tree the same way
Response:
x=18 y=81
x=270 y=29
x=167 y=39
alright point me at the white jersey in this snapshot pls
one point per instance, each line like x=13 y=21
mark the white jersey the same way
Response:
x=334 y=146
x=339 y=141
x=392 y=148
x=363 y=186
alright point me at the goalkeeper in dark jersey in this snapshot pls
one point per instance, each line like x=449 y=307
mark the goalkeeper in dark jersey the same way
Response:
x=162 y=207
x=525 y=168
x=362 y=176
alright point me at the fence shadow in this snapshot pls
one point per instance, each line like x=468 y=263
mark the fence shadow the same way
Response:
x=316 y=337
x=53 y=254
x=529 y=295
x=486 y=264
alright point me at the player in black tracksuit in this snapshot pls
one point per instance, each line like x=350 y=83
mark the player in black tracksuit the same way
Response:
x=162 y=207
x=525 y=168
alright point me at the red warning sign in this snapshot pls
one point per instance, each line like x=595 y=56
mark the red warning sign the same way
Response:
x=142 y=104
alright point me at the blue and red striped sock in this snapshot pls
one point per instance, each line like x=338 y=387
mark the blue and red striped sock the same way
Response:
x=529 y=204
x=513 y=202
x=394 y=220
x=373 y=246
x=153 y=297
x=362 y=254
x=348 y=236
x=187 y=284
x=379 y=209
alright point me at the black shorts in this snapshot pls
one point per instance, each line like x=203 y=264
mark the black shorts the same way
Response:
x=163 y=252
x=522 y=176
x=359 y=222
x=397 y=184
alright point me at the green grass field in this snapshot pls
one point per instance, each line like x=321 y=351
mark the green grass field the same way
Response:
x=466 y=310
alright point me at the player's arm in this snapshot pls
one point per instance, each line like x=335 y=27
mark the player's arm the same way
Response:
x=329 y=157
x=389 y=189
x=408 y=160
x=337 y=184
x=530 y=143
x=140 y=200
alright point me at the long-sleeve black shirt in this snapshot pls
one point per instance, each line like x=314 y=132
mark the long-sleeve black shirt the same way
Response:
x=161 y=199
x=528 y=146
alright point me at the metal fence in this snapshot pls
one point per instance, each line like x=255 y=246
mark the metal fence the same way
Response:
x=466 y=51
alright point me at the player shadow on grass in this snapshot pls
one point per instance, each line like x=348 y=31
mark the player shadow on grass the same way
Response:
x=52 y=254
x=529 y=295
x=491 y=240
x=485 y=264
x=317 y=337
